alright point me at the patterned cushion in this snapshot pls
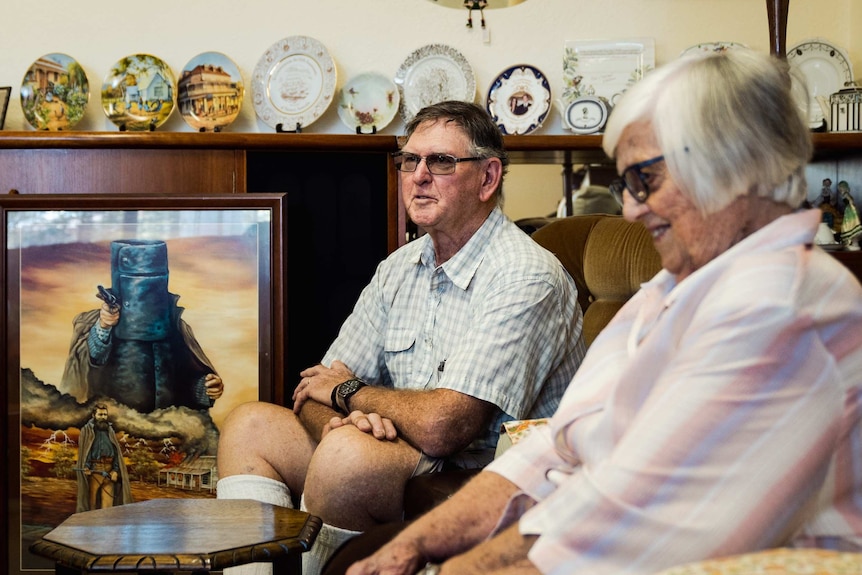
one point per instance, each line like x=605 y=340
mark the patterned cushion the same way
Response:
x=777 y=562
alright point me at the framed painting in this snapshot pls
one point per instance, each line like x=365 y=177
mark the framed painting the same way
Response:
x=132 y=326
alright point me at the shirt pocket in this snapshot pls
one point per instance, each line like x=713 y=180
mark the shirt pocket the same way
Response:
x=399 y=350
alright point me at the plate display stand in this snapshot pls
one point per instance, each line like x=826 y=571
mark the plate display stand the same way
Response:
x=151 y=128
x=279 y=129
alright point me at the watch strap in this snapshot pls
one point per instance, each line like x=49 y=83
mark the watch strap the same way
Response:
x=333 y=398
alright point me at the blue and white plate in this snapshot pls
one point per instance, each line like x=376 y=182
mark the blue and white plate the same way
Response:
x=519 y=100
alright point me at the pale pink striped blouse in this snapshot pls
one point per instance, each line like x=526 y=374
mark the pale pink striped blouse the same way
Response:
x=717 y=416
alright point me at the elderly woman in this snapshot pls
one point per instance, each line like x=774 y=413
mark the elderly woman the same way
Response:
x=719 y=412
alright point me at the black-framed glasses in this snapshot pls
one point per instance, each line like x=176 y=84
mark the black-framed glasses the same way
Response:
x=634 y=180
x=438 y=164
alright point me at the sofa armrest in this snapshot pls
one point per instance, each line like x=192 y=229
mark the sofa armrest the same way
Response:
x=424 y=492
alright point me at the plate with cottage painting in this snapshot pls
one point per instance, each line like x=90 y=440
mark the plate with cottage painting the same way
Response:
x=433 y=74
x=368 y=102
x=210 y=92
x=293 y=83
x=519 y=100
x=55 y=92
x=139 y=92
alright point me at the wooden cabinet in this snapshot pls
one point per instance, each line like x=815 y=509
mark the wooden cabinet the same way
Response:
x=344 y=210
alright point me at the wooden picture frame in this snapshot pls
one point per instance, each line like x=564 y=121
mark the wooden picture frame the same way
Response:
x=225 y=258
x=5 y=96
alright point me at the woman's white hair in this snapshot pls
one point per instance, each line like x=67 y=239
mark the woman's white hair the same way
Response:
x=728 y=124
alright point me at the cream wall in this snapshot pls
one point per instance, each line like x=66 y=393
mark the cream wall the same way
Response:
x=377 y=35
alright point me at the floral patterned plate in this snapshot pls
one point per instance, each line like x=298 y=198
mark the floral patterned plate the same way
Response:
x=711 y=47
x=54 y=93
x=432 y=74
x=368 y=102
x=606 y=69
x=139 y=93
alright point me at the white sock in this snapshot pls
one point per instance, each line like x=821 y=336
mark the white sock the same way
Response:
x=254 y=487
x=260 y=489
x=329 y=538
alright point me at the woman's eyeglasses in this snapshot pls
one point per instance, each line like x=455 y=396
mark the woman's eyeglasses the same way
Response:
x=438 y=164
x=634 y=180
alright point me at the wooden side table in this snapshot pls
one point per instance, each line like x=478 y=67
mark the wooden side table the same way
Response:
x=174 y=535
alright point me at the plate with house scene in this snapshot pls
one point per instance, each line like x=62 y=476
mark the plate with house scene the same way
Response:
x=825 y=69
x=139 y=92
x=605 y=68
x=293 y=83
x=519 y=100
x=368 y=102
x=54 y=92
x=210 y=92
x=432 y=74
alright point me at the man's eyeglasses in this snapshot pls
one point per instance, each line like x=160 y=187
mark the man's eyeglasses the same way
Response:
x=438 y=164
x=634 y=180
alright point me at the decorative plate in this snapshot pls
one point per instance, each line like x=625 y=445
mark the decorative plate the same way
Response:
x=293 y=83
x=210 y=92
x=824 y=67
x=607 y=69
x=139 y=92
x=432 y=74
x=55 y=92
x=519 y=100
x=368 y=102
x=711 y=47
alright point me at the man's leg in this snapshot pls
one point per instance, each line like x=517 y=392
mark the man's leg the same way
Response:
x=263 y=454
x=354 y=482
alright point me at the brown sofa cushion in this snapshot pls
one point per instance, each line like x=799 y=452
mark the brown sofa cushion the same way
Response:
x=608 y=257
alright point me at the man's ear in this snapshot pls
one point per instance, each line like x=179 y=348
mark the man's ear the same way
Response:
x=491 y=178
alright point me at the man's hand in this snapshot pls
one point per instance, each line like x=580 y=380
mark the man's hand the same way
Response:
x=372 y=423
x=114 y=476
x=214 y=386
x=318 y=382
x=109 y=315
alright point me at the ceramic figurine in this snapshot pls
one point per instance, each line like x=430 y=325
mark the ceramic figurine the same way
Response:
x=851 y=230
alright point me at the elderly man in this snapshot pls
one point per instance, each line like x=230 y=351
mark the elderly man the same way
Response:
x=718 y=412
x=468 y=326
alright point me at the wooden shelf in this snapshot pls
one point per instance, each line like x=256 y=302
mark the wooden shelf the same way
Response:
x=523 y=149
x=196 y=140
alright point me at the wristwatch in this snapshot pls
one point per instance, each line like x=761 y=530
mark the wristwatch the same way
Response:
x=342 y=393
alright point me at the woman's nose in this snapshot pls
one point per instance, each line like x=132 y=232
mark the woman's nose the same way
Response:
x=633 y=209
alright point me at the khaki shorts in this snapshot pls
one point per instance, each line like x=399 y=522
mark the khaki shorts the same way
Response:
x=464 y=460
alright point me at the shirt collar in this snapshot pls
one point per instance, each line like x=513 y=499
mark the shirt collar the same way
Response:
x=461 y=267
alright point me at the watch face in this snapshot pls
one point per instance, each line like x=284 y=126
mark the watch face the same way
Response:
x=349 y=387
x=586 y=115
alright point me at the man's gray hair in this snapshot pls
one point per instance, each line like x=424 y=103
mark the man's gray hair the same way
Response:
x=486 y=140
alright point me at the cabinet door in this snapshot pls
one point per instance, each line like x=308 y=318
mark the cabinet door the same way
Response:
x=121 y=171
x=338 y=207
